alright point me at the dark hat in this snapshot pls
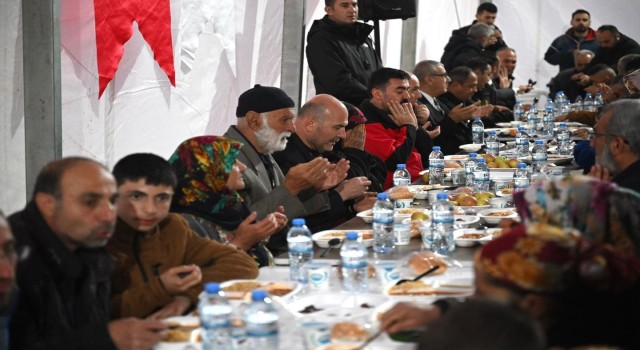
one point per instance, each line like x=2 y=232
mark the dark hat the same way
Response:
x=262 y=99
x=356 y=117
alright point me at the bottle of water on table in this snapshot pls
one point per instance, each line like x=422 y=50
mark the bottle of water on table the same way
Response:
x=564 y=140
x=469 y=168
x=477 y=131
x=587 y=105
x=442 y=241
x=261 y=321
x=401 y=176
x=559 y=100
x=493 y=145
x=383 y=239
x=548 y=122
x=539 y=156
x=532 y=120
x=215 y=318
x=436 y=166
x=300 y=249
x=481 y=176
x=353 y=258
x=518 y=112
x=522 y=144
x=598 y=101
x=522 y=177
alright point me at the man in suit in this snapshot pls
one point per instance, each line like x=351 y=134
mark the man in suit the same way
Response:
x=265 y=121
x=434 y=82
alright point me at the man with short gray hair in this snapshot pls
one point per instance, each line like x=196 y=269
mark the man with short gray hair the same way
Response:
x=464 y=46
x=616 y=139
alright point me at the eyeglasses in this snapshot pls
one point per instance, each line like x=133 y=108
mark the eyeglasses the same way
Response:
x=592 y=135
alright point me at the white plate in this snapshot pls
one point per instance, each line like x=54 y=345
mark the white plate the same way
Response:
x=456 y=157
x=471 y=147
x=188 y=321
x=470 y=242
x=322 y=238
x=465 y=221
x=366 y=216
x=494 y=220
x=554 y=159
x=472 y=209
x=242 y=296
x=504 y=124
x=416 y=188
x=346 y=306
x=502 y=170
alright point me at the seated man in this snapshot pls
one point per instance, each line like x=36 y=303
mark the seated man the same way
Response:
x=465 y=46
x=7 y=276
x=161 y=263
x=320 y=124
x=425 y=133
x=64 y=282
x=567 y=79
x=487 y=93
x=391 y=123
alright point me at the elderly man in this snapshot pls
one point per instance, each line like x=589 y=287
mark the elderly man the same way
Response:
x=434 y=82
x=391 y=123
x=567 y=80
x=64 y=282
x=340 y=53
x=579 y=37
x=320 y=124
x=616 y=140
x=265 y=121
x=464 y=46
x=487 y=13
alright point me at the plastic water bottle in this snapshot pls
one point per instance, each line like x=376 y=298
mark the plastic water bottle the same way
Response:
x=577 y=104
x=300 y=249
x=215 y=318
x=383 y=239
x=261 y=321
x=522 y=177
x=442 y=241
x=493 y=145
x=539 y=156
x=436 y=166
x=597 y=101
x=518 y=112
x=532 y=120
x=522 y=144
x=401 y=176
x=353 y=257
x=469 y=168
x=481 y=176
x=564 y=140
x=587 y=105
x=548 y=122
x=477 y=131
x=559 y=100
x=566 y=107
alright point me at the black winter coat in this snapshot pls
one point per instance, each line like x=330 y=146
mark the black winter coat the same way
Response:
x=341 y=59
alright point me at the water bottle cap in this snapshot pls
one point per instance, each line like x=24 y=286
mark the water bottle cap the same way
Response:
x=476 y=119
x=521 y=128
x=298 y=222
x=258 y=294
x=481 y=160
x=549 y=108
x=492 y=132
x=522 y=166
x=559 y=92
x=473 y=155
x=352 y=236
x=436 y=148
x=563 y=125
x=383 y=195
x=442 y=196
x=539 y=142
x=212 y=288
x=401 y=166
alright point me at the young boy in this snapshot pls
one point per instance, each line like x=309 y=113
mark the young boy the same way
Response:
x=161 y=264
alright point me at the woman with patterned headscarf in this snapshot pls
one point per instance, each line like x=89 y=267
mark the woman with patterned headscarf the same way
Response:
x=209 y=176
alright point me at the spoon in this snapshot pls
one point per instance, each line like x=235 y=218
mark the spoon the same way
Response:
x=332 y=243
x=429 y=271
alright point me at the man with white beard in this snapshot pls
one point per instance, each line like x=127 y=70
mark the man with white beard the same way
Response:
x=265 y=121
x=616 y=140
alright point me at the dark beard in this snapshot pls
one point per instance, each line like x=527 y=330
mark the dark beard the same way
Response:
x=581 y=29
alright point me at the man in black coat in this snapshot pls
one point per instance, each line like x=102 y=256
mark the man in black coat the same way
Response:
x=613 y=45
x=464 y=46
x=340 y=53
x=487 y=13
x=65 y=280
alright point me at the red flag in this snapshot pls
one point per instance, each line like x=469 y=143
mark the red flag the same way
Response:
x=114 y=26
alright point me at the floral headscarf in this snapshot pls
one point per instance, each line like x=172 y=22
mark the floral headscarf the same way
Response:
x=202 y=165
x=600 y=210
x=544 y=259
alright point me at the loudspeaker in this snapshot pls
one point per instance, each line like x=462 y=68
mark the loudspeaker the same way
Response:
x=386 y=9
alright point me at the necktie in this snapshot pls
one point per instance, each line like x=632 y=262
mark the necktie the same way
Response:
x=437 y=105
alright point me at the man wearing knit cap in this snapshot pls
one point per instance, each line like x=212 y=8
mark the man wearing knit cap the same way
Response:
x=265 y=121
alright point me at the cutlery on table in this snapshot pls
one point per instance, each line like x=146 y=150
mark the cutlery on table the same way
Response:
x=429 y=271
x=332 y=243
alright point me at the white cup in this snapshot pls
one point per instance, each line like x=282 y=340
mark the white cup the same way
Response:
x=403 y=203
x=387 y=272
x=402 y=232
x=498 y=202
x=318 y=275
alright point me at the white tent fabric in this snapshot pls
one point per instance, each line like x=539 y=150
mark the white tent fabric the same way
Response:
x=222 y=48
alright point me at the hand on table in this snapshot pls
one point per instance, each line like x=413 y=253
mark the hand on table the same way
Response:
x=405 y=316
x=177 y=307
x=136 y=334
x=179 y=279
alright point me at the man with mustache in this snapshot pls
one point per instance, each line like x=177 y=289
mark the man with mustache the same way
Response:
x=579 y=37
x=265 y=122
x=64 y=282
x=320 y=124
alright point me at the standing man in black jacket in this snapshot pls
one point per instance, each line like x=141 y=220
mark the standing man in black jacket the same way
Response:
x=340 y=53
x=65 y=280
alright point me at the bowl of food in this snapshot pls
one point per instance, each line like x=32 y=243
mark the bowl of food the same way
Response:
x=471 y=147
x=465 y=221
x=322 y=238
x=469 y=237
x=495 y=215
x=406 y=213
x=366 y=216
